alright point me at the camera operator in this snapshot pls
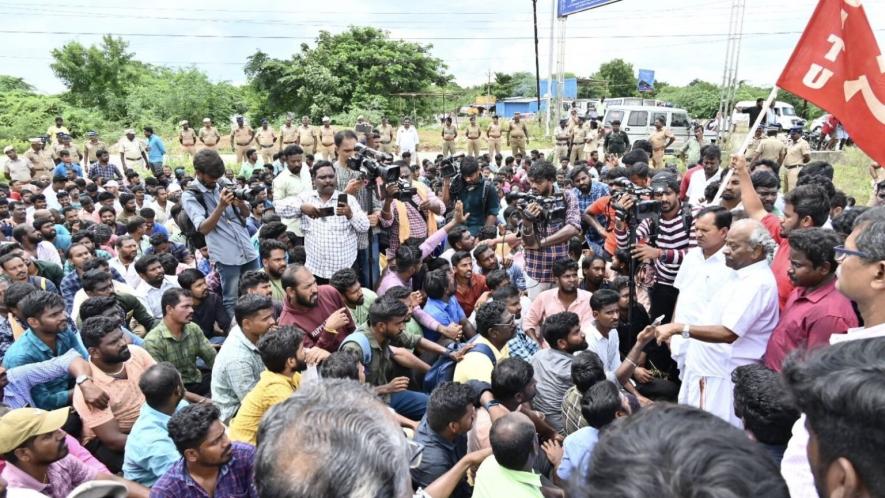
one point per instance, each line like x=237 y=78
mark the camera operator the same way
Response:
x=219 y=216
x=666 y=238
x=546 y=239
x=478 y=195
x=412 y=220
x=352 y=182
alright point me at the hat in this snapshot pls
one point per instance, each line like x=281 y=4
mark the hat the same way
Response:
x=37 y=140
x=19 y=425
x=63 y=136
x=111 y=183
x=796 y=129
x=91 y=134
x=183 y=122
x=360 y=117
x=326 y=118
x=8 y=148
x=207 y=120
x=263 y=120
x=239 y=118
x=129 y=131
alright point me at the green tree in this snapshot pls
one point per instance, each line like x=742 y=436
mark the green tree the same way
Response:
x=14 y=84
x=360 y=68
x=615 y=78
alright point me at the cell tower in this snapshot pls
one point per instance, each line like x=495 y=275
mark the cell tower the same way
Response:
x=732 y=60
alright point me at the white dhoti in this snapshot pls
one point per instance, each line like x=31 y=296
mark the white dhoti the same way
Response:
x=711 y=394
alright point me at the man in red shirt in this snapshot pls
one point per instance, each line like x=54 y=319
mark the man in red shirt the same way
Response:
x=469 y=286
x=815 y=309
x=806 y=206
x=317 y=310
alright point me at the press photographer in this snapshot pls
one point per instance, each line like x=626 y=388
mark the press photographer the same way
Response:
x=463 y=182
x=550 y=219
x=409 y=211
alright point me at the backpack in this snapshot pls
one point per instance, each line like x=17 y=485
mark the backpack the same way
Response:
x=193 y=237
x=362 y=340
x=443 y=370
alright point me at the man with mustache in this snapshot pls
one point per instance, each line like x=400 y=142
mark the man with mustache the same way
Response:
x=154 y=283
x=316 y=309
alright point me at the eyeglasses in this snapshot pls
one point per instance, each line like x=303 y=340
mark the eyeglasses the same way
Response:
x=509 y=325
x=842 y=252
x=416 y=452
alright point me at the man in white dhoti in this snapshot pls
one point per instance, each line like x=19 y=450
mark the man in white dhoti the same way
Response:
x=734 y=327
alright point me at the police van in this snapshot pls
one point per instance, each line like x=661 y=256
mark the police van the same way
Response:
x=639 y=120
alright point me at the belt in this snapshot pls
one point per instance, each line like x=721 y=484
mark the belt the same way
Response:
x=266 y=146
x=133 y=158
x=499 y=136
x=562 y=143
x=472 y=138
x=288 y=142
x=188 y=145
x=793 y=166
x=243 y=145
x=387 y=142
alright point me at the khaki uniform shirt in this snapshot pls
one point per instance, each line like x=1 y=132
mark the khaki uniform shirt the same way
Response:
x=131 y=149
x=386 y=132
x=473 y=132
x=659 y=139
x=209 y=135
x=289 y=133
x=18 y=170
x=327 y=136
x=306 y=135
x=242 y=136
x=188 y=137
x=266 y=137
x=494 y=130
x=770 y=148
x=562 y=135
x=591 y=140
x=578 y=135
x=72 y=150
x=795 y=151
x=41 y=160
x=91 y=149
x=53 y=132
x=518 y=130
x=449 y=132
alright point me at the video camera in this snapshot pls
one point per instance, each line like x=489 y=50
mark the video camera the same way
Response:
x=450 y=167
x=552 y=208
x=370 y=163
x=641 y=209
x=406 y=191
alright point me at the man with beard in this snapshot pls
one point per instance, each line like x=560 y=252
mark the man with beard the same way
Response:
x=357 y=298
x=153 y=283
x=108 y=216
x=209 y=458
x=468 y=285
x=317 y=310
x=731 y=194
x=124 y=262
x=179 y=341
x=553 y=365
x=593 y=270
x=78 y=255
x=481 y=204
x=209 y=312
x=767 y=186
x=587 y=192
x=487 y=261
x=565 y=297
x=46 y=249
x=700 y=179
x=733 y=329
x=273 y=261
x=293 y=180
x=37 y=457
x=117 y=367
x=238 y=364
x=283 y=355
x=413 y=221
x=14 y=266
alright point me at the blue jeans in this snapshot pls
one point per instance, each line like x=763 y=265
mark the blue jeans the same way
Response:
x=366 y=264
x=230 y=282
x=409 y=404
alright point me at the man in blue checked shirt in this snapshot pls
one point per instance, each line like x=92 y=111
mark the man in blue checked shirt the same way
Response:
x=587 y=192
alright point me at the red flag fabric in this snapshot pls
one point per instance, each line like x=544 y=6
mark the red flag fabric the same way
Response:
x=837 y=65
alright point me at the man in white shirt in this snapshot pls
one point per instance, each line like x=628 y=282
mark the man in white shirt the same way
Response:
x=700 y=179
x=859 y=278
x=407 y=139
x=154 y=282
x=734 y=328
x=124 y=262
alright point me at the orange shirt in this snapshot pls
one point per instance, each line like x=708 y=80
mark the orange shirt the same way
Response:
x=603 y=206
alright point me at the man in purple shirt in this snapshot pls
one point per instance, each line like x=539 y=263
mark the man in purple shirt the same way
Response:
x=211 y=465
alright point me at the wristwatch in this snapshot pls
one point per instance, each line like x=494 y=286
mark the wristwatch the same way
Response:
x=686 y=331
x=82 y=378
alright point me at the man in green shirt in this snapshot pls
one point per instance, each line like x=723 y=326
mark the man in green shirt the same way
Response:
x=691 y=151
x=179 y=341
x=357 y=299
x=509 y=473
x=273 y=261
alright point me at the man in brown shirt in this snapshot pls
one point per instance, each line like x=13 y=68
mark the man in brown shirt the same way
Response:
x=798 y=153
x=561 y=136
x=579 y=136
x=65 y=144
x=241 y=138
x=473 y=133
x=660 y=139
x=90 y=147
x=517 y=135
x=209 y=135
x=327 y=140
x=493 y=135
x=266 y=139
x=288 y=133
x=449 y=134
x=187 y=137
x=386 y=136
x=771 y=148
x=41 y=159
x=307 y=136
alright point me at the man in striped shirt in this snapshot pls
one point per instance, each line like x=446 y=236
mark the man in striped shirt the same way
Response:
x=663 y=241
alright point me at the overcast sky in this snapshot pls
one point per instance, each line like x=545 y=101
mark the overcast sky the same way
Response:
x=680 y=39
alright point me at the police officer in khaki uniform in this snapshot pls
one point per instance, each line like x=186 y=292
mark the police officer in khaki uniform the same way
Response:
x=132 y=152
x=493 y=135
x=59 y=127
x=660 y=139
x=288 y=133
x=561 y=138
x=385 y=136
x=209 y=135
x=770 y=148
x=187 y=137
x=473 y=134
x=573 y=120
x=90 y=147
x=363 y=129
x=753 y=147
x=65 y=144
x=517 y=135
x=579 y=137
x=241 y=138
x=798 y=153
x=307 y=136
x=449 y=133
x=266 y=138
x=40 y=158
x=327 y=139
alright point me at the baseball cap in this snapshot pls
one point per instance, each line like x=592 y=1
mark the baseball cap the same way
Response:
x=8 y=148
x=19 y=425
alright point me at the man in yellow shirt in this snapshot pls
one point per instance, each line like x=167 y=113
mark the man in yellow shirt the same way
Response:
x=495 y=326
x=59 y=127
x=283 y=355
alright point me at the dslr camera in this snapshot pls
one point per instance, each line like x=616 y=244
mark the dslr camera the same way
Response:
x=642 y=209
x=371 y=163
x=450 y=167
x=552 y=208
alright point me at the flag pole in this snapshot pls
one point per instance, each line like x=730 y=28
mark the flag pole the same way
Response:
x=743 y=148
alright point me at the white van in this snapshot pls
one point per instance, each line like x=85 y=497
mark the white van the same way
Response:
x=780 y=114
x=639 y=121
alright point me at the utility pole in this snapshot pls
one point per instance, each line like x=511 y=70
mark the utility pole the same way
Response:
x=489 y=86
x=730 y=69
x=549 y=95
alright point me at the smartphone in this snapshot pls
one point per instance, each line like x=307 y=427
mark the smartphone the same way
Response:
x=342 y=200
x=659 y=320
x=326 y=211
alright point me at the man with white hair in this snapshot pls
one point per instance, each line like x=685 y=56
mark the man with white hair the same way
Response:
x=733 y=330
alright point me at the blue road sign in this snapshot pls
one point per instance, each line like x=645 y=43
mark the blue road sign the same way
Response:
x=568 y=7
x=646 y=80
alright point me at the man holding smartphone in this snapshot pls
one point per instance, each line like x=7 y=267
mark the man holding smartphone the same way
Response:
x=220 y=217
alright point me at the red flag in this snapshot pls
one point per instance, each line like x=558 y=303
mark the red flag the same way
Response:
x=838 y=66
